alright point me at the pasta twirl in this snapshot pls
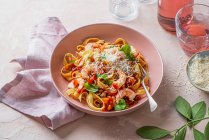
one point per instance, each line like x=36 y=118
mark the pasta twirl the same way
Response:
x=104 y=75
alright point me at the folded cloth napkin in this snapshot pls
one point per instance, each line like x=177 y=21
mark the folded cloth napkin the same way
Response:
x=32 y=91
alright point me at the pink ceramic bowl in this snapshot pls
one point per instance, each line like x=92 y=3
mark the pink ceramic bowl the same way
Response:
x=108 y=32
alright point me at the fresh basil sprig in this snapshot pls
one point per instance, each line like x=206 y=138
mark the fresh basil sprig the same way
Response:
x=183 y=107
x=152 y=132
x=108 y=82
x=198 y=135
x=198 y=111
x=72 y=61
x=127 y=51
x=121 y=105
x=91 y=87
x=180 y=134
x=193 y=116
x=103 y=76
x=207 y=132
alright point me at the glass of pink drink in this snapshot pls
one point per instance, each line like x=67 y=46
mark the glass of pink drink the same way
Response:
x=192 y=28
x=167 y=10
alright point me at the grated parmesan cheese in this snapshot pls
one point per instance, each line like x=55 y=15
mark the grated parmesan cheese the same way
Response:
x=111 y=57
x=199 y=71
x=116 y=60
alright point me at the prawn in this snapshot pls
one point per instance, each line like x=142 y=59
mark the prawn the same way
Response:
x=125 y=92
x=85 y=71
x=122 y=79
x=78 y=82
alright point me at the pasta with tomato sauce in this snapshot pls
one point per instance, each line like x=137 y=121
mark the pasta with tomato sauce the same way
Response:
x=106 y=76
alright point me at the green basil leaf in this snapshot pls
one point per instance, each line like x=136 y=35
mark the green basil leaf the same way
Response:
x=183 y=107
x=152 y=132
x=103 y=76
x=180 y=135
x=127 y=51
x=198 y=135
x=121 y=105
x=103 y=56
x=207 y=132
x=108 y=82
x=91 y=87
x=198 y=111
x=122 y=101
x=72 y=61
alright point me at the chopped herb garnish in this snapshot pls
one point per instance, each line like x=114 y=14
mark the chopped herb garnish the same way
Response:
x=127 y=50
x=91 y=87
x=72 y=61
x=103 y=76
x=103 y=56
x=121 y=105
x=111 y=46
x=108 y=82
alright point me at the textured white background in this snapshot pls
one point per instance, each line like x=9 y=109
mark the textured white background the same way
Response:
x=17 y=18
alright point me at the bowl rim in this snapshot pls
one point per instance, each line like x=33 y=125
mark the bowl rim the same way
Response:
x=187 y=71
x=108 y=113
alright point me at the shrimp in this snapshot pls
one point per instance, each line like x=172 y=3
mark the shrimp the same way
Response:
x=85 y=71
x=122 y=79
x=78 y=82
x=111 y=91
x=125 y=92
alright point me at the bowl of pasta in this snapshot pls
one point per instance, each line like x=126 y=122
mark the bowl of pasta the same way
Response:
x=97 y=69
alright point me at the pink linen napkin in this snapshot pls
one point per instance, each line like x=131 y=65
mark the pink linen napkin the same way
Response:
x=32 y=91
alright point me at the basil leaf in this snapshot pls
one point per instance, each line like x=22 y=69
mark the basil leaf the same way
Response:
x=72 y=61
x=108 y=82
x=103 y=76
x=91 y=87
x=103 y=56
x=207 y=132
x=127 y=51
x=183 y=107
x=180 y=135
x=152 y=132
x=198 y=135
x=198 y=111
x=121 y=105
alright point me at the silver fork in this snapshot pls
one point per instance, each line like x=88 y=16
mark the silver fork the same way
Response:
x=152 y=103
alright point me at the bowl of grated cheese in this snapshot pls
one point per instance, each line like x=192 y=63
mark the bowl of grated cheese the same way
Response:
x=198 y=70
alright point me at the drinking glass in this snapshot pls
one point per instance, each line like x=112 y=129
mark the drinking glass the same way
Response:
x=125 y=10
x=192 y=28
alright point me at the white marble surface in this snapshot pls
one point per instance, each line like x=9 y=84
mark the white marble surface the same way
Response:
x=16 y=19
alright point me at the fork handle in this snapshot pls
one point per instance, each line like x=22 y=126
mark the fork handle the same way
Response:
x=152 y=103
